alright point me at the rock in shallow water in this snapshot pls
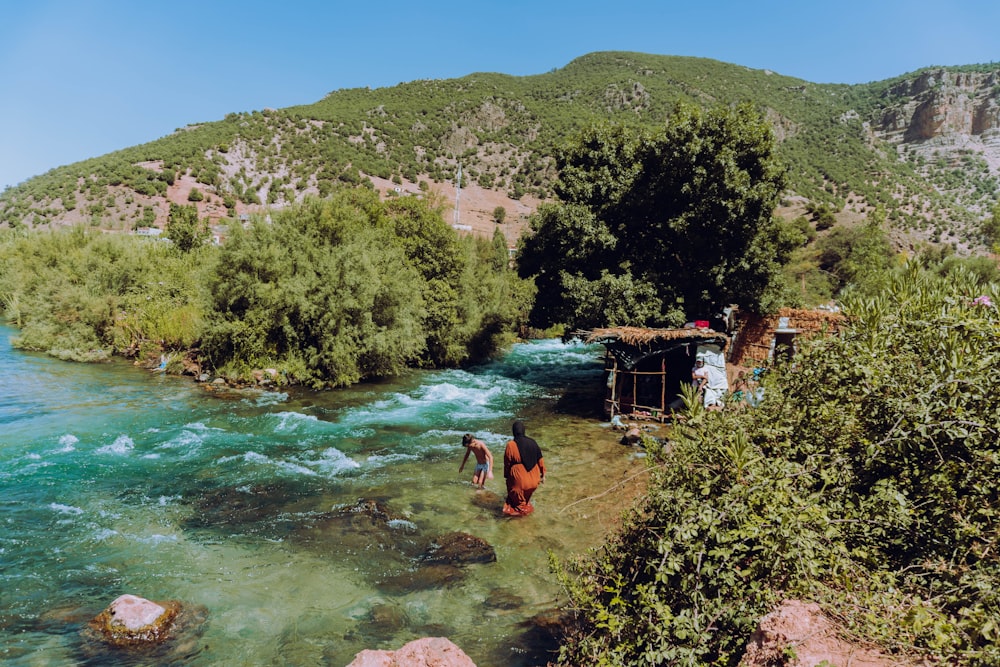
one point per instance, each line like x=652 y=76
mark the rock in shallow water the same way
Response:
x=459 y=548
x=134 y=621
x=437 y=651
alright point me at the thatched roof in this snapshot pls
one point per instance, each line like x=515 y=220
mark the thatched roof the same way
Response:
x=632 y=345
x=639 y=336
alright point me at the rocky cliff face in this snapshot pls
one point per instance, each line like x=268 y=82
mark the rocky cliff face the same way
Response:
x=941 y=110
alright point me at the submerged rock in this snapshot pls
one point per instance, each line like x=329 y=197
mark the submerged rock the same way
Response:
x=459 y=548
x=256 y=507
x=386 y=618
x=429 y=577
x=437 y=651
x=367 y=525
x=542 y=634
x=373 y=510
x=488 y=500
x=503 y=599
x=134 y=621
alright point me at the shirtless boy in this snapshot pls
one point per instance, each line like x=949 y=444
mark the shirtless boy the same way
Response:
x=484 y=460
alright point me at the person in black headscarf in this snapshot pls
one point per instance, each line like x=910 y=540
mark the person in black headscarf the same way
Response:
x=524 y=470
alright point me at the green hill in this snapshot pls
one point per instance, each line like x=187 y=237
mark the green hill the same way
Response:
x=848 y=147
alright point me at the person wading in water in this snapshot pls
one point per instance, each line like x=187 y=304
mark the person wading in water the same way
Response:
x=524 y=470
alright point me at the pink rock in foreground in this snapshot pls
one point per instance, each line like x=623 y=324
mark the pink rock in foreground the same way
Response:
x=426 y=652
x=131 y=620
x=133 y=612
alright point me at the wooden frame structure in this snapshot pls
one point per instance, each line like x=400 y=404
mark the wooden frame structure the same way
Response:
x=645 y=368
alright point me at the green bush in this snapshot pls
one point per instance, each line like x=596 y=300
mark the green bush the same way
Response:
x=866 y=481
x=335 y=291
x=84 y=296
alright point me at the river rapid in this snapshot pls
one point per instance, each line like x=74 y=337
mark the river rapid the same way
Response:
x=115 y=479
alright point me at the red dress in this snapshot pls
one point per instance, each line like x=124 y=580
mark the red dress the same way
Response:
x=521 y=483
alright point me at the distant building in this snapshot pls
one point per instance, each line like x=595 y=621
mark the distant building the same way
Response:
x=763 y=338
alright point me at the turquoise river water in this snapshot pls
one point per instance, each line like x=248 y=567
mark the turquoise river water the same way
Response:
x=114 y=479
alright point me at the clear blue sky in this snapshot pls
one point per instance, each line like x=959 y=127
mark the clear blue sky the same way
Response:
x=81 y=78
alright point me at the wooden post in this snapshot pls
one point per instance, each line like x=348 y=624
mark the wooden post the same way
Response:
x=614 y=381
x=635 y=388
x=663 y=387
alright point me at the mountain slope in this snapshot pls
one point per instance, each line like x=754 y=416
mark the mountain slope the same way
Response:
x=925 y=146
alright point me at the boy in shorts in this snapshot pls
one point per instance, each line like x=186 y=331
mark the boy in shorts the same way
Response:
x=484 y=460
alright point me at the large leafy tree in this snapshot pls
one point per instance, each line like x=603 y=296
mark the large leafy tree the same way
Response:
x=655 y=227
x=321 y=294
x=338 y=290
x=184 y=228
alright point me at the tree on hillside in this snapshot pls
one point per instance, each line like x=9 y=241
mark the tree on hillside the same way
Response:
x=857 y=256
x=656 y=227
x=991 y=229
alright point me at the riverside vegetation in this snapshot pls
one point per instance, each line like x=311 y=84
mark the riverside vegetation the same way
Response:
x=865 y=480
x=328 y=293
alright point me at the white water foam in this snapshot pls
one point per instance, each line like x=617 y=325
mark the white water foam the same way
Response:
x=328 y=463
x=290 y=421
x=270 y=398
x=67 y=443
x=188 y=440
x=427 y=403
x=65 y=509
x=285 y=466
x=403 y=525
x=122 y=445
x=382 y=460
x=199 y=426
x=155 y=539
x=332 y=461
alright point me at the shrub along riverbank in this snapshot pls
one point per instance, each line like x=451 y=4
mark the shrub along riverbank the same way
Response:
x=326 y=293
x=866 y=481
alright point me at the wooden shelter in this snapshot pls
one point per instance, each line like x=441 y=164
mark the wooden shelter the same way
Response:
x=645 y=368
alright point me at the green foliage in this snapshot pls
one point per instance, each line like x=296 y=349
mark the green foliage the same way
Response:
x=857 y=256
x=333 y=292
x=991 y=229
x=330 y=293
x=659 y=226
x=865 y=480
x=185 y=229
x=84 y=296
x=822 y=216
